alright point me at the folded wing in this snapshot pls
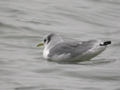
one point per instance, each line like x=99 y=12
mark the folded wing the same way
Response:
x=72 y=48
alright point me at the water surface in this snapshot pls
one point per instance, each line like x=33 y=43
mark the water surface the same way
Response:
x=23 y=23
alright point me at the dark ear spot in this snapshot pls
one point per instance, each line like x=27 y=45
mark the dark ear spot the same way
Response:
x=45 y=40
x=49 y=37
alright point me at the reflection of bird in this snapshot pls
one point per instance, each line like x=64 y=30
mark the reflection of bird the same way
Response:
x=56 y=49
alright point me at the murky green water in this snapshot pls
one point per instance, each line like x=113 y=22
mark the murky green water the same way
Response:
x=23 y=23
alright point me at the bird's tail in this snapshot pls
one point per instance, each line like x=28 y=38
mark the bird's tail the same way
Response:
x=105 y=43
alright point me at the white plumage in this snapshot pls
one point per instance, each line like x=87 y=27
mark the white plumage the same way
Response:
x=56 y=49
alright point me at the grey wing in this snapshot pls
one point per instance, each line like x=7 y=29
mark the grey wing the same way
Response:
x=72 y=48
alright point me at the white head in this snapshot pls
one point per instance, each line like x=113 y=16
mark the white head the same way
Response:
x=50 y=40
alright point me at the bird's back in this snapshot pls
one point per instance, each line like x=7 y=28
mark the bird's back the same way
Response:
x=71 y=50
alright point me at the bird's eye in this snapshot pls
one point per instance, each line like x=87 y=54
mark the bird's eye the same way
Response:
x=45 y=40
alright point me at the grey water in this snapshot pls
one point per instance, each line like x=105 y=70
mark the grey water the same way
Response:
x=23 y=23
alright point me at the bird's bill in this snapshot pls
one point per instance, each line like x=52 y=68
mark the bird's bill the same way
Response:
x=40 y=44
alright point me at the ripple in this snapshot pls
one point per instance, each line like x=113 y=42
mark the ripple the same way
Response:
x=91 y=62
x=2 y=24
x=35 y=88
x=98 y=62
x=27 y=88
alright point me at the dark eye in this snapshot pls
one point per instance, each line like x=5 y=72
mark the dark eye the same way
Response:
x=45 y=40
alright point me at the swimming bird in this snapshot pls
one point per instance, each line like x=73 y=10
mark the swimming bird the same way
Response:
x=59 y=50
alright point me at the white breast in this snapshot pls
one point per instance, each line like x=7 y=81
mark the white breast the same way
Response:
x=45 y=53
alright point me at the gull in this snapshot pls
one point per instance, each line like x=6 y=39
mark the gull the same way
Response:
x=59 y=50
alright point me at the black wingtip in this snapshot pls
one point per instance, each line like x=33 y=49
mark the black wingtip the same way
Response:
x=105 y=43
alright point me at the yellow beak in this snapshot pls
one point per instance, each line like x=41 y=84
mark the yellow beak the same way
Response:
x=40 y=44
